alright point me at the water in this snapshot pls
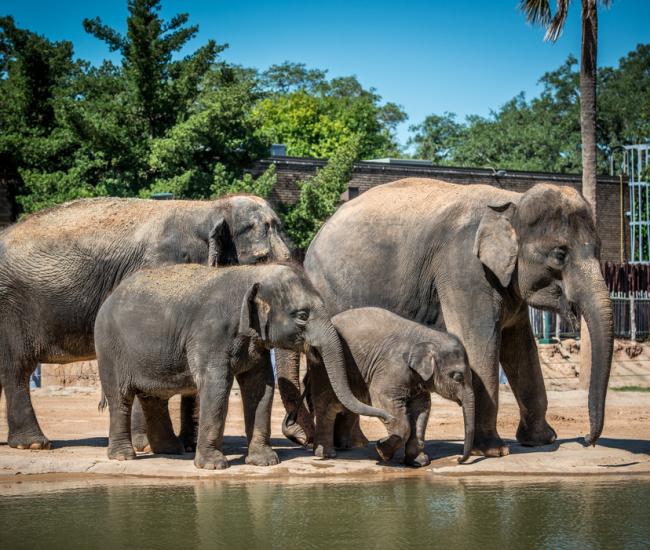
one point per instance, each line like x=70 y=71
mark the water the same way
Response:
x=410 y=513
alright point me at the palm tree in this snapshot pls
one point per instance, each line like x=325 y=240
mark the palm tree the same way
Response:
x=539 y=12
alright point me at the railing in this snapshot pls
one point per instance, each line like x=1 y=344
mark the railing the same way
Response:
x=631 y=319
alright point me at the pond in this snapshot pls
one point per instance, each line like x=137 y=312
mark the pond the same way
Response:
x=406 y=513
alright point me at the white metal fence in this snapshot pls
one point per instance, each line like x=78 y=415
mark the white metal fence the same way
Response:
x=631 y=319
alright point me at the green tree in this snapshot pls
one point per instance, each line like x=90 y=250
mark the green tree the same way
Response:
x=218 y=134
x=314 y=116
x=163 y=87
x=436 y=138
x=321 y=194
x=36 y=75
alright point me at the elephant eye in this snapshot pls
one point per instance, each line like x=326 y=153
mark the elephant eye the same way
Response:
x=458 y=377
x=246 y=228
x=301 y=316
x=559 y=254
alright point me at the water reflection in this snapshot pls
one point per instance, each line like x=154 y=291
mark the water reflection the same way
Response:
x=398 y=514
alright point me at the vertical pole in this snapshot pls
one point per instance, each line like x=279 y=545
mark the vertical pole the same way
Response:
x=546 y=328
x=632 y=318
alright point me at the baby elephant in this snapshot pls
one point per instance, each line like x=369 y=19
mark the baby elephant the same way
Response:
x=190 y=329
x=395 y=364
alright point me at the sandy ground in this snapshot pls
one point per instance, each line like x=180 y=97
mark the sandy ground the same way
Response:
x=70 y=418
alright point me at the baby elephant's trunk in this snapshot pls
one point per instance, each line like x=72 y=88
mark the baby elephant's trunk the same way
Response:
x=468 y=417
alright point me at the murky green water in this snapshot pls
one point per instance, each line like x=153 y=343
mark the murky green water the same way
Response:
x=397 y=514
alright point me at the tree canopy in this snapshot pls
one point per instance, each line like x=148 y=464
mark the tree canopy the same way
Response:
x=543 y=133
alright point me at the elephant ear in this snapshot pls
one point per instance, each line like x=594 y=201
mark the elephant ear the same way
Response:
x=422 y=360
x=217 y=242
x=254 y=314
x=496 y=242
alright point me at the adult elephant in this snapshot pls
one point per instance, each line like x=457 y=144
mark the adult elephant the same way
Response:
x=470 y=258
x=58 y=266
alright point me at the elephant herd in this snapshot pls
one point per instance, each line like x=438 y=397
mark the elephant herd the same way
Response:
x=416 y=286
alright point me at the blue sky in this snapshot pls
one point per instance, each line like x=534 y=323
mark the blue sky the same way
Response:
x=442 y=55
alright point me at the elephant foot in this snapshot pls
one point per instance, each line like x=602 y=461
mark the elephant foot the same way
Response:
x=418 y=461
x=355 y=440
x=387 y=446
x=121 y=452
x=188 y=442
x=321 y=451
x=210 y=460
x=140 y=442
x=490 y=446
x=168 y=446
x=34 y=442
x=262 y=456
x=536 y=436
x=300 y=433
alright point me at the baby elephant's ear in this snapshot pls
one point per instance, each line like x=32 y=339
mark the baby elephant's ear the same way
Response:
x=254 y=314
x=421 y=359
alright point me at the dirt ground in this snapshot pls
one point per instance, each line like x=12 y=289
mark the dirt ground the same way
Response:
x=69 y=416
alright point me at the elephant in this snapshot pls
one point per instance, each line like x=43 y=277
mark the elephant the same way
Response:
x=469 y=259
x=188 y=329
x=393 y=363
x=58 y=266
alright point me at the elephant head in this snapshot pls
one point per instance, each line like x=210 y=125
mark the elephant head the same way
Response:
x=244 y=229
x=285 y=311
x=545 y=248
x=445 y=370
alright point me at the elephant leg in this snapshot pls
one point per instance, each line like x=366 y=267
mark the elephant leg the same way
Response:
x=139 y=427
x=475 y=318
x=189 y=415
x=520 y=362
x=418 y=411
x=399 y=429
x=257 y=387
x=347 y=432
x=160 y=431
x=120 y=446
x=24 y=431
x=214 y=392
x=301 y=429
x=326 y=413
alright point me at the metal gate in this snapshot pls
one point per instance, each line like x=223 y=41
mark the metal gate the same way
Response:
x=636 y=162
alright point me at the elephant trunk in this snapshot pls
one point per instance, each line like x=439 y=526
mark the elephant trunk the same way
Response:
x=324 y=338
x=468 y=418
x=596 y=308
x=279 y=250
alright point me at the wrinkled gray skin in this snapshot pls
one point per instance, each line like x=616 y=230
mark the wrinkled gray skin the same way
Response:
x=58 y=266
x=394 y=364
x=470 y=258
x=174 y=329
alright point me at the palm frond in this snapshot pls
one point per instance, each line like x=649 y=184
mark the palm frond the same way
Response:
x=536 y=11
x=556 y=26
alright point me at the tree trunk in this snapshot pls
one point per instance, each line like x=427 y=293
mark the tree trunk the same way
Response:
x=588 y=64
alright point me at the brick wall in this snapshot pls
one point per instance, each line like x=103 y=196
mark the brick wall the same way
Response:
x=291 y=170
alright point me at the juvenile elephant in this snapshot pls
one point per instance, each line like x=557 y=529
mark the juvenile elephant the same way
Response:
x=395 y=364
x=58 y=266
x=183 y=329
x=470 y=258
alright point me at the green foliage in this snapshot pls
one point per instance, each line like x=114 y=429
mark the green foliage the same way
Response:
x=544 y=133
x=162 y=88
x=224 y=183
x=219 y=131
x=321 y=194
x=313 y=117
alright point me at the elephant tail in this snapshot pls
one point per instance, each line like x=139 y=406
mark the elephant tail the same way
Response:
x=102 y=403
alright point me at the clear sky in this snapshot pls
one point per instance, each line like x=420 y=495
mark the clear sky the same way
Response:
x=428 y=56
